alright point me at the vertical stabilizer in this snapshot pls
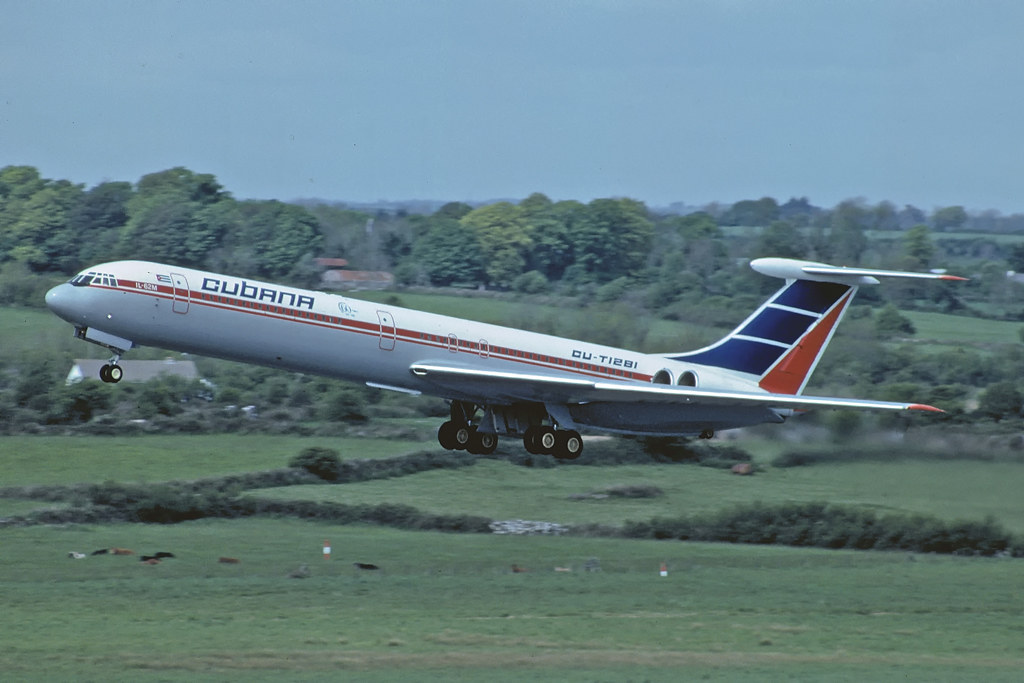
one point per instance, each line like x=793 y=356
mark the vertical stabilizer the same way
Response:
x=780 y=344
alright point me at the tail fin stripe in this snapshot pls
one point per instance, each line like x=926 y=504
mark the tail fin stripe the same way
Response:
x=762 y=340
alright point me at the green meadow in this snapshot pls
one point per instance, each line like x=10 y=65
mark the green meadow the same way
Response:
x=960 y=330
x=23 y=328
x=449 y=607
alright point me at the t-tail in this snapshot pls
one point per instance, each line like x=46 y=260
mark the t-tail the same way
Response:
x=780 y=344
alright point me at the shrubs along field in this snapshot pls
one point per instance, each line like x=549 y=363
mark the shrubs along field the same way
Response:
x=811 y=523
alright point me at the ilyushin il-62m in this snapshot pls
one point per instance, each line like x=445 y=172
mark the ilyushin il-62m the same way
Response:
x=500 y=381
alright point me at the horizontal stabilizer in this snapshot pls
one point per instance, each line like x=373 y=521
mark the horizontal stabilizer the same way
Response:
x=793 y=269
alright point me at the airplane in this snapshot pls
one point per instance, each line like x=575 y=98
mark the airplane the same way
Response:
x=500 y=381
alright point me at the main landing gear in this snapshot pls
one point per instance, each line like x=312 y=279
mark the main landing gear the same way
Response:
x=564 y=444
x=459 y=436
x=459 y=433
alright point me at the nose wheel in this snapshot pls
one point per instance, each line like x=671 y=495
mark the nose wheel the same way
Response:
x=111 y=373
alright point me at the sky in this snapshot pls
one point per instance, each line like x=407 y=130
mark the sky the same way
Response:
x=916 y=102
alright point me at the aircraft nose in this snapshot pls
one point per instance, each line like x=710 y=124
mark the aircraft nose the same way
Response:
x=59 y=301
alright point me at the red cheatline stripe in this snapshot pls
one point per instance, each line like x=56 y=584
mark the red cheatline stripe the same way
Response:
x=360 y=327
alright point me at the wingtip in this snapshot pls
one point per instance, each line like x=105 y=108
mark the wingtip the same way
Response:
x=924 y=407
x=954 y=278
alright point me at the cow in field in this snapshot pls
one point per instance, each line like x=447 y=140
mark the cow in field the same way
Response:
x=364 y=566
x=301 y=573
x=229 y=560
x=76 y=555
x=121 y=551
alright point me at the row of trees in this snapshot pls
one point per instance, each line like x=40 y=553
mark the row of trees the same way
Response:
x=188 y=218
x=176 y=216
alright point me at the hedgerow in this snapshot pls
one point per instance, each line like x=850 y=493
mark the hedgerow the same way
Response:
x=823 y=525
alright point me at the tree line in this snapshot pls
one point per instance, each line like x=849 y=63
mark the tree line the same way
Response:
x=538 y=244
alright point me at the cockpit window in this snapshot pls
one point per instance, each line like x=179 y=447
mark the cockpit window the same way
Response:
x=91 y=278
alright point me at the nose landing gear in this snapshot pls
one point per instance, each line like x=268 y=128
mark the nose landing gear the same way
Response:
x=111 y=373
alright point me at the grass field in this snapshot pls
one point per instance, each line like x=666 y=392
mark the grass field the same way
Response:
x=22 y=328
x=961 y=330
x=447 y=607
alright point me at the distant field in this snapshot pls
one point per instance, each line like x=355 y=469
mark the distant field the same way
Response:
x=22 y=328
x=447 y=607
x=67 y=460
x=960 y=329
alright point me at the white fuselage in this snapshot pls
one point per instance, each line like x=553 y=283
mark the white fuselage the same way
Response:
x=151 y=304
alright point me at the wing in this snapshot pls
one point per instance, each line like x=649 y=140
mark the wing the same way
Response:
x=494 y=386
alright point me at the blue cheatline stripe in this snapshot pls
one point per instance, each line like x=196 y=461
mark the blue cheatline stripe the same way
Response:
x=806 y=295
x=778 y=325
x=742 y=355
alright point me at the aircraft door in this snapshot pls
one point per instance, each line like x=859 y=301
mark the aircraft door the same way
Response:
x=181 y=293
x=388 y=333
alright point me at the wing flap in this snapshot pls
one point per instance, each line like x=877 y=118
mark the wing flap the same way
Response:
x=535 y=387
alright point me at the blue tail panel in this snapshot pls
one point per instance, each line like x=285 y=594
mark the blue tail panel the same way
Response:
x=742 y=355
x=806 y=295
x=779 y=325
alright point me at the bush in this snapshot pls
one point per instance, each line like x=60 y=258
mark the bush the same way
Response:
x=322 y=462
x=531 y=282
x=343 y=404
x=634 y=491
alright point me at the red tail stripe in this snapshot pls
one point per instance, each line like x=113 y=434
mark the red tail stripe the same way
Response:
x=788 y=375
